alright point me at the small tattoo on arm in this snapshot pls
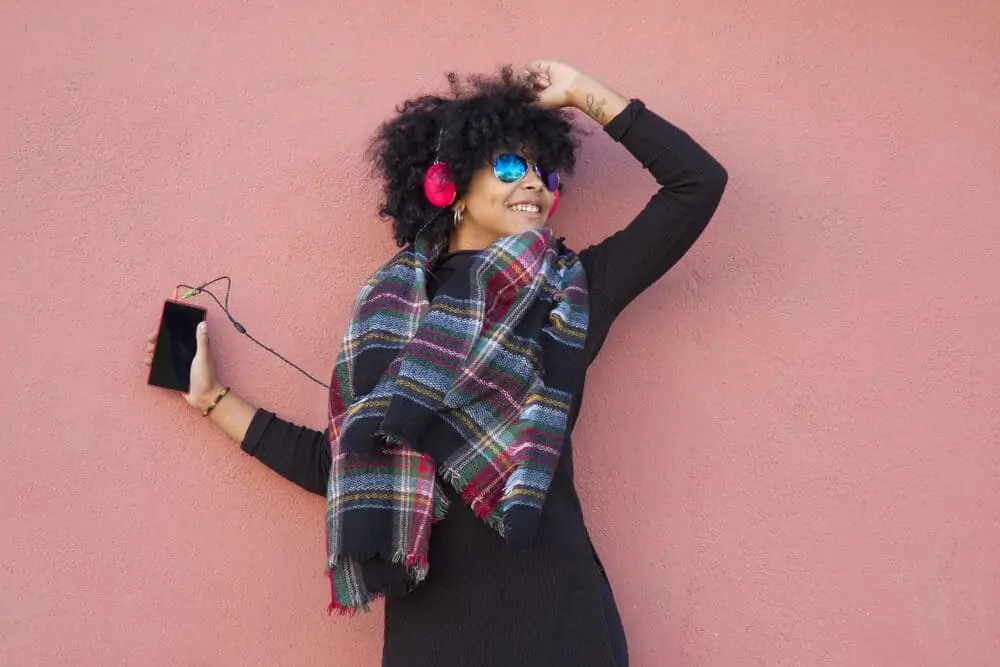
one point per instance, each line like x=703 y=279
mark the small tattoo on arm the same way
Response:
x=595 y=108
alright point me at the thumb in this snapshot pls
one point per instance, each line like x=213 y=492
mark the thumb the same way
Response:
x=201 y=336
x=202 y=376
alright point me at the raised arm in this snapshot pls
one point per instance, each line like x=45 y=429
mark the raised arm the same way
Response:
x=622 y=266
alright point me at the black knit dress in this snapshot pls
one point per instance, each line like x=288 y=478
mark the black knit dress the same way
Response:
x=483 y=605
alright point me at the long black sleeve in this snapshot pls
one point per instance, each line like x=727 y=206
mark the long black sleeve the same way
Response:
x=298 y=454
x=622 y=266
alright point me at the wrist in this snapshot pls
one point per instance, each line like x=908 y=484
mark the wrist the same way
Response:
x=577 y=92
x=206 y=399
x=595 y=99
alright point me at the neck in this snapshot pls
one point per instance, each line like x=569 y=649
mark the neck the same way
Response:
x=468 y=237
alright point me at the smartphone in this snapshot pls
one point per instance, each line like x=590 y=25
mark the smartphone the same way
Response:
x=175 y=346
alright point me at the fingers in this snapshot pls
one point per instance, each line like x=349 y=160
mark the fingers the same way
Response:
x=536 y=74
x=149 y=347
x=536 y=80
x=539 y=67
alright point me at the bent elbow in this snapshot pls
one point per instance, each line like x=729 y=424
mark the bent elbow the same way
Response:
x=715 y=180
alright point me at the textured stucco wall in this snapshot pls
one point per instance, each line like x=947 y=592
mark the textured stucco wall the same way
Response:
x=789 y=450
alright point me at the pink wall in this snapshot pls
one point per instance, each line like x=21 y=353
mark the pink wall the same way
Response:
x=789 y=452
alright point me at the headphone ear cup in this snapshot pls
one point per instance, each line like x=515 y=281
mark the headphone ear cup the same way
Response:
x=555 y=203
x=438 y=186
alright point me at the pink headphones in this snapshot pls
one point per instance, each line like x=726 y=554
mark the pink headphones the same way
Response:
x=438 y=186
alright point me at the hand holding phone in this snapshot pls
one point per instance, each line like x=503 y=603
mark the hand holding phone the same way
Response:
x=178 y=354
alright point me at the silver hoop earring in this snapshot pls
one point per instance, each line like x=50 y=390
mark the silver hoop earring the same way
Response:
x=458 y=218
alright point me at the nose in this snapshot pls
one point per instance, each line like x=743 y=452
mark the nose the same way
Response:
x=531 y=179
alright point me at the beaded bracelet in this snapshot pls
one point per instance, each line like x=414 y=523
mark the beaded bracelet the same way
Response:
x=218 y=398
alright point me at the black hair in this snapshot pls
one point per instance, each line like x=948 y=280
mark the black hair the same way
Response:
x=482 y=116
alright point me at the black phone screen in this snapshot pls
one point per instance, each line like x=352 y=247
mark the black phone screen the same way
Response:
x=175 y=346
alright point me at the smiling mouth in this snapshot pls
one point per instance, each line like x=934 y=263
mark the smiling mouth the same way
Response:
x=526 y=208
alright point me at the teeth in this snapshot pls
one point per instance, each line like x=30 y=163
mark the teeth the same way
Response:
x=525 y=208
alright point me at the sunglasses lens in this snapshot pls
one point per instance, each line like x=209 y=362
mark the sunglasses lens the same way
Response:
x=550 y=178
x=510 y=168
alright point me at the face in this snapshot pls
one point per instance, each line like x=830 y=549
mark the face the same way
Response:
x=493 y=209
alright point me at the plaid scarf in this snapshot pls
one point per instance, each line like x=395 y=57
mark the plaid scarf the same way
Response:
x=471 y=389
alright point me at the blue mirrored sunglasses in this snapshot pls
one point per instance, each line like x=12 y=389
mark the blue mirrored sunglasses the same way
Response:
x=511 y=167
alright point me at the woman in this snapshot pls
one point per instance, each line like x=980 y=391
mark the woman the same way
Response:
x=447 y=461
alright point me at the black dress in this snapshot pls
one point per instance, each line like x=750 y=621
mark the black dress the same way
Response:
x=483 y=605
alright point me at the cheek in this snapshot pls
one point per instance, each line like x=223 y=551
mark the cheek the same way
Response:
x=488 y=198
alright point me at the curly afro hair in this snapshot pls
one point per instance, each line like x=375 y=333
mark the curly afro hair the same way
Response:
x=482 y=116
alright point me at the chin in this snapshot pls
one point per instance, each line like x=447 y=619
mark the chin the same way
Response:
x=528 y=224
x=524 y=229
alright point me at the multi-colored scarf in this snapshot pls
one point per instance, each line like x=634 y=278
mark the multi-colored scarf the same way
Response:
x=472 y=388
